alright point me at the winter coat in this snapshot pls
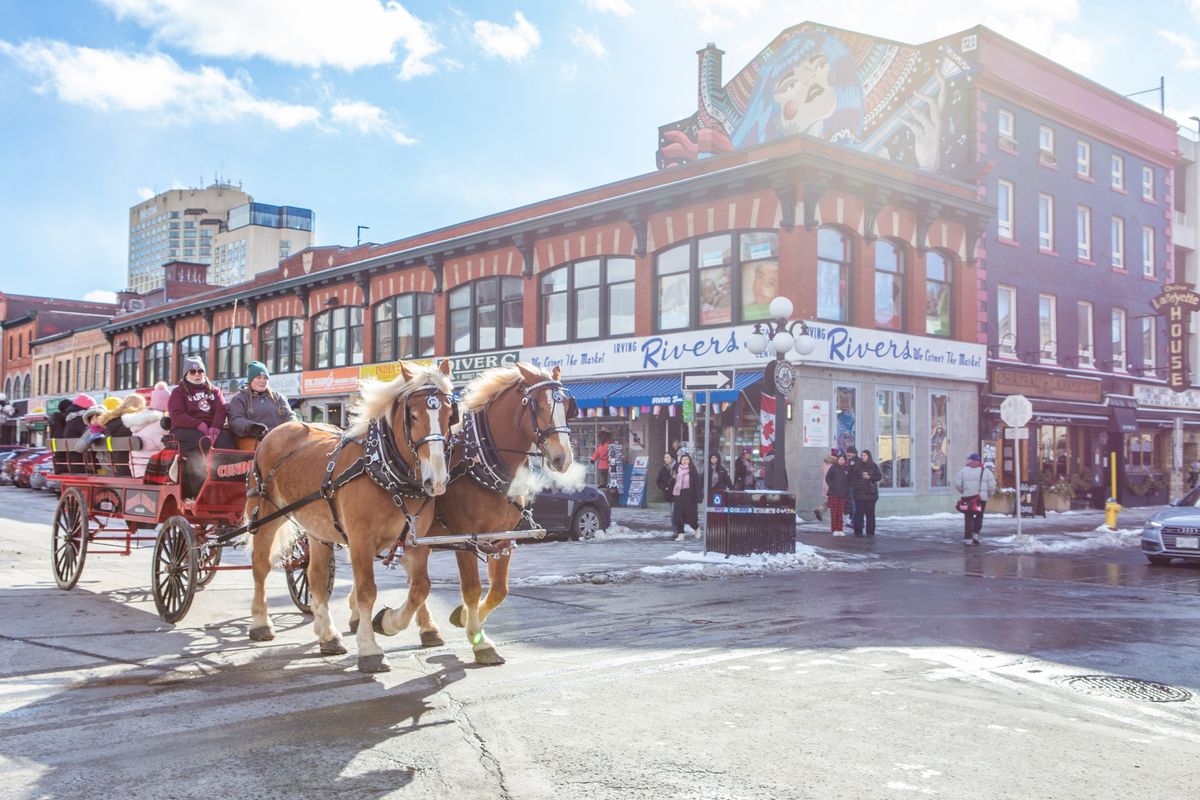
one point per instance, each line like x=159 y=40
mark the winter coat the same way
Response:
x=864 y=480
x=600 y=456
x=58 y=421
x=192 y=406
x=665 y=480
x=718 y=479
x=268 y=408
x=743 y=474
x=116 y=427
x=692 y=494
x=972 y=481
x=837 y=482
x=73 y=426
x=147 y=426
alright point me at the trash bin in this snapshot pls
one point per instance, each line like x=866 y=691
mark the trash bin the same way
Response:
x=741 y=523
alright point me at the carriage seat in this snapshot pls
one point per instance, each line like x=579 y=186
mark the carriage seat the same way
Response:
x=107 y=456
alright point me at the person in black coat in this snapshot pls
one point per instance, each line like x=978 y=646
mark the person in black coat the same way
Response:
x=666 y=477
x=864 y=488
x=718 y=476
x=685 y=493
x=837 y=490
x=58 y=424
x=743 y=471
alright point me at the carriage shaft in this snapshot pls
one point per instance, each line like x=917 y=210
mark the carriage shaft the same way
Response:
x=468 y=538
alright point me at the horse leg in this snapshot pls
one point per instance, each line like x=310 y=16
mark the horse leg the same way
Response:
x=497 y=584
x=353 y=598
x=362 y=558
x=468 y=613
x=320 y=581
x=390 y=621
x=261 y=629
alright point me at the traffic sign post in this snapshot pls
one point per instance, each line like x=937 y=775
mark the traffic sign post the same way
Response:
x=708 y=380
x=1016 y=411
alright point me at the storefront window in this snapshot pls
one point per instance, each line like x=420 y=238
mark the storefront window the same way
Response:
x=845 y=402
x=486 y=315
x=282 y=345
x=893 y=414
x=1140 y=452
x=939 y=439
x=233 y=353
x=338 y=337
x=197 y=346
x=714 y=275
x=937 y=294
x=889 y=286
x=158 y=364
x=404 y=327
x=1054 y=455
x=588 y=300
x=833 y=276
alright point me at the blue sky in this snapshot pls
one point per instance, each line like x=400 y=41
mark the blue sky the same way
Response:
x=410 y=116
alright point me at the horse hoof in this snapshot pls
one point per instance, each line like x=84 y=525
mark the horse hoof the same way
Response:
x=354 y=626
x=375 y=663
x=488 y=657
x=456 y=617
x=262 y=633
x=431 y=639
x=377 y=623
x=333 y=647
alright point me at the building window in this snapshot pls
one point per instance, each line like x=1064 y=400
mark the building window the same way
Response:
x=487 y=315
x=1118 y=243
x=281 y=345
x=833 y=275
x=126 y=372
x=1047 y=328
x=1046 y=144
x=233 y=353
x=1118 y=339
x=338 y=337
x=1053 y=452
x=26 y=386
x=1140 y=453
x=1149 y=342
x=1087 y=347
x=404 y=327
x=702 y=282
x=845 y=402
x=587 y=300
x=1148 y=183
x=197 y=346
x=1083 y=233
x=79 y=376
x=938 y=298
x=1006 y=320
x=158 y=363
x=1004 y=209
x=939 y=439
x=1117 y=171
x=1148 y=251
x=1045 y=222
x=1083 y=159
x=96 y=374
x=1006 y=127
x=893 y=416
x=889 y=286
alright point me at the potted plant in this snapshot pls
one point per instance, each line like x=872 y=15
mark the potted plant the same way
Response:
x=1003 y=500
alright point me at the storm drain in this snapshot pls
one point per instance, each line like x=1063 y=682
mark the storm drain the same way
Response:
x=1127 y=688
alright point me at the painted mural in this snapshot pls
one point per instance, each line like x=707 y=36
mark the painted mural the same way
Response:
x=903 y=103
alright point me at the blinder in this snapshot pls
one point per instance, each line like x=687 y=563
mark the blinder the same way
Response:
x=558 y=394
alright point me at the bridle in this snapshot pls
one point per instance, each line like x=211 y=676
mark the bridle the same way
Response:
x=434 y=398
x=558 y=394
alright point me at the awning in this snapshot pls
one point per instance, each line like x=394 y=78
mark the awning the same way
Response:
x=1125 y=419
x=592 y=394
x=661 y=391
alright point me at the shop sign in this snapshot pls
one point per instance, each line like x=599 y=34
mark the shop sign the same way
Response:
x=1046 y=384
x=1175 y=303
x=816 y=423
x=689 y=410
x=464 y=368
x=287 y=384
x=1165 y=398
x=390 y=370
x=343 y=380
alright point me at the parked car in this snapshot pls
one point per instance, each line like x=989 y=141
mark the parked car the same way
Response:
x=8 y=461
x=570 y=513
x=1174 y=532
x=23 y=472
x=15 y=463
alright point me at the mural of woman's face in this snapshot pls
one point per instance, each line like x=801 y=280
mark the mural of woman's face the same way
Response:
x=805 y=95
x=766 y=282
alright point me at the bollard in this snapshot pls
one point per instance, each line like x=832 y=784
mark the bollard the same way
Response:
x=1111 y=509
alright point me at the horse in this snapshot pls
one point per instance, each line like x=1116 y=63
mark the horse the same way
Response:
x=506 y=411
x=377 y=481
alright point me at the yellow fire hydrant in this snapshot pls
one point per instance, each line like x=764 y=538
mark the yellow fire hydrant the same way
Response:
x=1111 y=509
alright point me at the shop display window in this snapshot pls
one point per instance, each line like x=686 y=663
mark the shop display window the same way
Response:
x=845 y=404
x=939 y=439
x=893 y=448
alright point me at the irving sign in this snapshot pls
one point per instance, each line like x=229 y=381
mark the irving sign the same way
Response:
x=1175 y=303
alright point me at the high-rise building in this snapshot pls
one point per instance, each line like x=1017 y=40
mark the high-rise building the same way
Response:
x=257 y=237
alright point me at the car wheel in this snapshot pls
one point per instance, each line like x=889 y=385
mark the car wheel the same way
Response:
x=585 y=523
x=1159 y=561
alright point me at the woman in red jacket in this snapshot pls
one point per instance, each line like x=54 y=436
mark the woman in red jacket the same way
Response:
x=600 y=459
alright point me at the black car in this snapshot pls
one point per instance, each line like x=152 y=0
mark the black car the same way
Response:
x=571 y=513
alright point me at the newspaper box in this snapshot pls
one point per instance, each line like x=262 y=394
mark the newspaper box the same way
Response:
x=741 y=523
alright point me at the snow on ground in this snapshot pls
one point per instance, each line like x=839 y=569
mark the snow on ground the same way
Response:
x=1099 y=539
x=615 y=532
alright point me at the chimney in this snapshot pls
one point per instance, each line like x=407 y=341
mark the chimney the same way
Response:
x=710 y=71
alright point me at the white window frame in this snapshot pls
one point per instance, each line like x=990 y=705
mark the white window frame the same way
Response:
x=1148 y=353
x=1005 y=209
x=1048 y=328
x=1045 y=221
x=1116 y=171
x=1083 y=158
x=1046 y=144
x=1086 y=334
x=1148 y=269
x=1008 y=136
x=1148 y=183
x=1083 y=233
x=1120 y=336
x=1006 y=340
x=1117 y=237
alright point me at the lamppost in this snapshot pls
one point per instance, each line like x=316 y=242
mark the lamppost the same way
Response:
x=780 y=334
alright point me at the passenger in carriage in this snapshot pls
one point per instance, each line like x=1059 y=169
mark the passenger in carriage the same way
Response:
x=257 y=408
x=197 y=411
x=58 y=424
x=74 y=426
x=113 y=420
x=147 y=425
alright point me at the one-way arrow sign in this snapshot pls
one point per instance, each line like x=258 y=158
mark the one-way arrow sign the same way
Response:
x=713 y=379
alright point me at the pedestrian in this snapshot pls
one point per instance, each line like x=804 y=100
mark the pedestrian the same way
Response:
x=685 y=494
x=837 y=489
x=600 y=459
x=718 y=477
x=257 y=409
x=829 y=459
x=851 y=463
x=975 y=482
x=743 y=471
x=666 y=477
x=864 y=488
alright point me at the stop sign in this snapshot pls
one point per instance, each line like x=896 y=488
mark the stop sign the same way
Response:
x=1016 y=410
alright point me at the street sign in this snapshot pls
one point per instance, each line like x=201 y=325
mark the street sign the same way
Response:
x=689 y=410
x=709 y=379
x=1016 y=410
x=1016 y=433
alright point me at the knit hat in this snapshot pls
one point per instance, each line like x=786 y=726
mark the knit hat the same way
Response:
x=256 y=368
x=63 y=405
x=160 y=397
x=193 y=362
x=83 y=400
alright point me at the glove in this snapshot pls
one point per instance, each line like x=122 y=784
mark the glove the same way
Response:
x=203 y=428
x=256 y=429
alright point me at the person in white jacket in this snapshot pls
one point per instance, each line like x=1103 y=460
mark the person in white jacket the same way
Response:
x=976 y=483
x=147 y=426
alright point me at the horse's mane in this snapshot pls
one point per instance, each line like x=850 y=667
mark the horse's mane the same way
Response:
x=378 y=396
x=490 y=383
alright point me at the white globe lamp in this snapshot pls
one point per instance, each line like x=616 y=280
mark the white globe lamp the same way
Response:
x=805 y=344
x=780 y=308
x=782 y=342
x=757 y=343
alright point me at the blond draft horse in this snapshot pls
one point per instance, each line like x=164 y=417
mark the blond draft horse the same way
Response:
x=410 y=417
x=524 y=407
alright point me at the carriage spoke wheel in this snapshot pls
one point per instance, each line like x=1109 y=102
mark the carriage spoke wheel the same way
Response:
x=68 y=544
x=175 y=568
x=296 y=567
x=207 y=561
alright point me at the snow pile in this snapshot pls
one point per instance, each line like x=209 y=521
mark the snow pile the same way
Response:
x=615 y=532
x=1099 y=539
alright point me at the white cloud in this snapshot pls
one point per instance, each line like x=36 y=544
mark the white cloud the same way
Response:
x=347 y=34
x=100 y=296
x=588 y=42
x=110 y=80
x=1189 y=58
x=510 y=42
x=145 y=192
x=367 y=119
x=620 y=7
x=714 y=15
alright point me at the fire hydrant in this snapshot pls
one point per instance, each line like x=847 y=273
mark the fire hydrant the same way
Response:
x=1111 y=509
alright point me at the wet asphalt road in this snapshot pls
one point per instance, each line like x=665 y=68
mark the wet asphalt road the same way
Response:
x=938 y=670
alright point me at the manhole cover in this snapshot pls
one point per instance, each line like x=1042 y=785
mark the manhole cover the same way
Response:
x=1127 y=688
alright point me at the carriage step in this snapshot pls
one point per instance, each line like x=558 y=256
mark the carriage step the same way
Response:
x=472 y=538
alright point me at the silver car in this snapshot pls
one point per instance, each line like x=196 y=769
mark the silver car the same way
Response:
x=1174 y=532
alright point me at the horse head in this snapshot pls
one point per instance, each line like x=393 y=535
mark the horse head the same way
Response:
x=422 y=414
x=549 y=406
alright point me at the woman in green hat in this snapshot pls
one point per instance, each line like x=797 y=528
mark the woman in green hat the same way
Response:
x=257 y=408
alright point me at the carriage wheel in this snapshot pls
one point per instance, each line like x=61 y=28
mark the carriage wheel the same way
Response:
x=68 y=544
x=175 y=568
x=207 y=562
x=296 y=567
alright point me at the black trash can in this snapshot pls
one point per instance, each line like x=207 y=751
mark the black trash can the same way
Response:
x=742 y=523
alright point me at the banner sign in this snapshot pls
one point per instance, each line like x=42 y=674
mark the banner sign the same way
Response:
x=343 y=380
x=816 y=423
x=1175 y=303
x=637 y=482
x=463 y=368
x=766 y=416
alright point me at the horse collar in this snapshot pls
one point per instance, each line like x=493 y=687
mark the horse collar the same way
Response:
x=384 y=465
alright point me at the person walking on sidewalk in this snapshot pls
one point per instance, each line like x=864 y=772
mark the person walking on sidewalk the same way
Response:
x=975 y=482
x=864 y=488
x=718 y=476
x=685 y=494
x=837 y=489
x=666 y=477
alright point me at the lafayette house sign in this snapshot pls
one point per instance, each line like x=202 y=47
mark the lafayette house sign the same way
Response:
x=1175 y=303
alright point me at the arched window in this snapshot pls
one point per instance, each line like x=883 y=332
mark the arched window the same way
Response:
x=8 y=388
x=717 y=280
x=833 y=275
x=196 y=345
x=281 y=345
x=233 y=353
x=158 y=363
x=127 y=369
x=338 y=337
x=26 y=392
x=487 y=314
x=938 y=297
x=889 y=286
x=404 y=327
x=590 y=299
